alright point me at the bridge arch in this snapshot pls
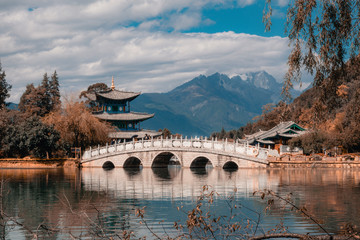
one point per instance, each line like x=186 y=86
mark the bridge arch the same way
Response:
x=200 y=162
x=108 y=165
x=164 y=159
x=132 y=162
x=230 y=165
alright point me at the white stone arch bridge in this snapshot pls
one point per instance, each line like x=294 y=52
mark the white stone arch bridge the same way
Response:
x=186 y=152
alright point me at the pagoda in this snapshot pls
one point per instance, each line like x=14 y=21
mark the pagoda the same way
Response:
x=113 y=106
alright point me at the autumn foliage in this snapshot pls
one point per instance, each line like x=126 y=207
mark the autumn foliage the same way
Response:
x=77 y=126
x=44 y=128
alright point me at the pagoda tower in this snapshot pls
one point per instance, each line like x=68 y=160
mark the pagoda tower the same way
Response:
x=113 y=106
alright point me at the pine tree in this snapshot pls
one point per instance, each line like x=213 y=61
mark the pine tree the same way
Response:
x=45 y=92
x=4 y=88
x=222 y=133
x=55 y=92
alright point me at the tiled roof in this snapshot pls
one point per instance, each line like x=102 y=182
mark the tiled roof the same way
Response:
x=118 y=95
x=113 y=95
x=124 y=116
x=91 y=96
x=281 y=129
x=132 y=134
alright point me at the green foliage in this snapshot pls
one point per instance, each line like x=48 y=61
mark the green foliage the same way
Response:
x=44 y=95
x=313 y=142
x=4 y=88
x=232 y=134
x=25 y=136
x=54 y=91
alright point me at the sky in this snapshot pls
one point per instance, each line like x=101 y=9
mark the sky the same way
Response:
x=147 y=45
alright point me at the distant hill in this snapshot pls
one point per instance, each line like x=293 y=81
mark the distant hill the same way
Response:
x=12 y=106
x=207 y=103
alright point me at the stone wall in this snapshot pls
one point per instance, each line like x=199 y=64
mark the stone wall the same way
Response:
x=289 y=161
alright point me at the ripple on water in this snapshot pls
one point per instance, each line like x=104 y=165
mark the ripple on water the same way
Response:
x=78 y=201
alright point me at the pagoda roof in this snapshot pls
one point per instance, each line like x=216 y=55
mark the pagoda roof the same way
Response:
x=132 y=134
x=131 y=116
x=113 y=94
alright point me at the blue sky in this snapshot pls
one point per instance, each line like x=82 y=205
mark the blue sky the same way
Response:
x=147 y=45
x=243 y=20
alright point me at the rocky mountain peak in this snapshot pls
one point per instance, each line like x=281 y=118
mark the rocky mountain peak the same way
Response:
x=261 y=79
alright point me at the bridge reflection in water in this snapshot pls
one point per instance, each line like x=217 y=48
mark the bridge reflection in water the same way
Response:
x=174 y=182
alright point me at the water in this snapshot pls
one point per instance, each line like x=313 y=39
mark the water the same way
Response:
x=93 y=203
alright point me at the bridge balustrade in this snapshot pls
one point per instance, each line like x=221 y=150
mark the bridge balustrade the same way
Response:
x=194 y=144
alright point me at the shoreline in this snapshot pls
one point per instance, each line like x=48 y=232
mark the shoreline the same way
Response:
x=282 y=162
x=39 y=163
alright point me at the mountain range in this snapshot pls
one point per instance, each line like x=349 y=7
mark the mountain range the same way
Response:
x=208 y=103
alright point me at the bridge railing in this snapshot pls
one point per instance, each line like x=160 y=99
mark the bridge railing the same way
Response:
x=223 y=146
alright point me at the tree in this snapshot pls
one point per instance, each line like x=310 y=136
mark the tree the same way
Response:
x=4 y=88
x=165 y=133
x=42 y=139
x=54 y=91
x=97 y=87
x=25 y=136
x=77 y=126
x=45 y=95
x=43 y=99
x=30 y=101
x=324 y=35
x=91 y=90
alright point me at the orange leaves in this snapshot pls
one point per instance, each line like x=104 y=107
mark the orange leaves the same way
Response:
x=342 y=91
x=78 y=126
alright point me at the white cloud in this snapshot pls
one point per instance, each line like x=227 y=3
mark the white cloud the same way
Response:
x=90 y=41
x=282 y=3
x=244 y=3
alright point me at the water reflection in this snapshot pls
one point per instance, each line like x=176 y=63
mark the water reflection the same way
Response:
x=174 y=182
x=132 y=171
x=201 y=171
x=167 y=173
x=55 y=197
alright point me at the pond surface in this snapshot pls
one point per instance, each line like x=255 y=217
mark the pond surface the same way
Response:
x=96 y=203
